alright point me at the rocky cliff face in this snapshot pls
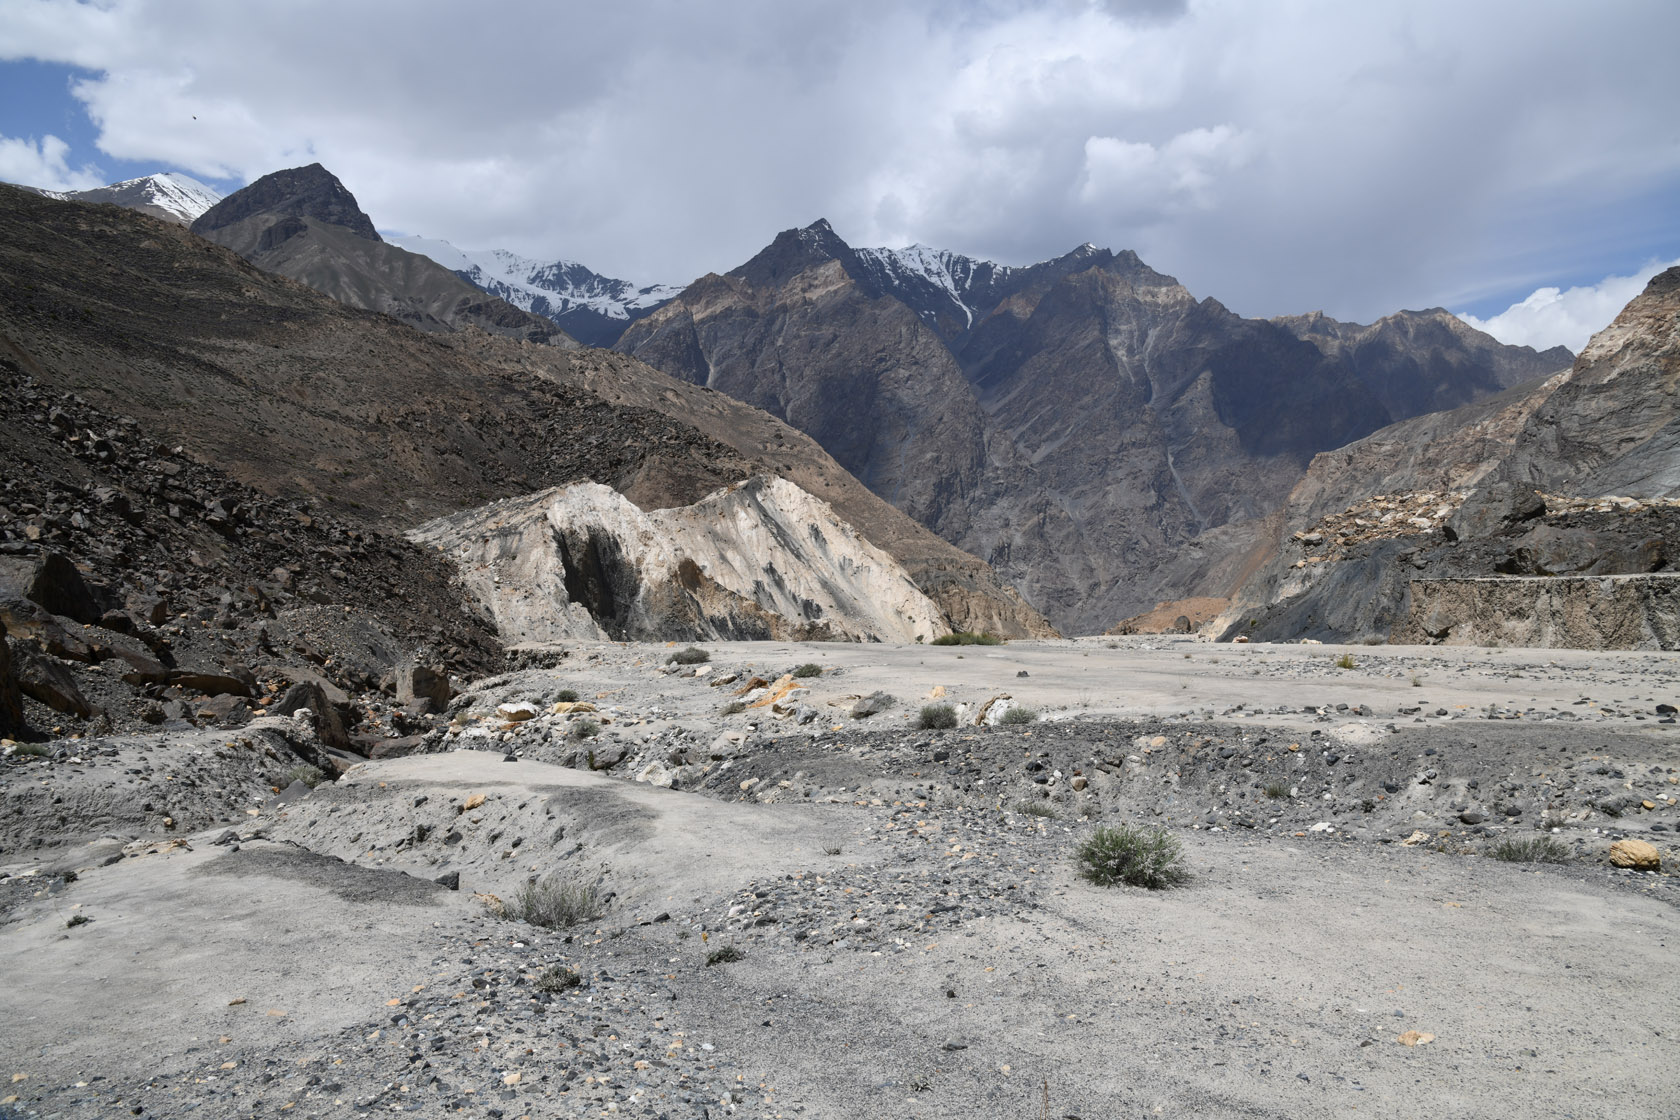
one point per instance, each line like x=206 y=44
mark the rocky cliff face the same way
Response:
x=301 y=396
x=1574 y=475
x=1102 y=438
x=756 y=560
x=304 y=224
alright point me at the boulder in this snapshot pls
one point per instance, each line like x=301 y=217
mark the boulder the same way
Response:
x=873 y=704
x=1635 y=854
x=395 y=748
x=11 y=696
x=49 y=681
x=307 y=694
x=59 y=587
x=27 y=621
x=417 y=681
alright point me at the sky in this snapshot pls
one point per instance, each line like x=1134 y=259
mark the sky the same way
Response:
x=1516 y=162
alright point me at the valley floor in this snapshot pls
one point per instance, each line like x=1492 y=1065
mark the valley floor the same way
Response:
x=912 y=936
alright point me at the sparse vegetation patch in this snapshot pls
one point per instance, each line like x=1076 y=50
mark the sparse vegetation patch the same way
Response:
x=1140 y=857
x=968 y=638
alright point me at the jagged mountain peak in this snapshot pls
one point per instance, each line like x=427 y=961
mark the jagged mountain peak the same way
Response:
x=297 y=192
x=166 y=194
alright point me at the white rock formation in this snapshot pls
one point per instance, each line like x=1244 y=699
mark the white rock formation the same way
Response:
x=759 y=559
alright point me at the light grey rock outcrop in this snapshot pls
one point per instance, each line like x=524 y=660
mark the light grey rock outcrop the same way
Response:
x=760 y=559
x=1595 y=612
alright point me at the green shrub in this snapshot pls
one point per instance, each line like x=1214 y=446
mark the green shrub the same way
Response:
x=1275 y=790
x=693 y=655
x=584 y=729
x=968 y=638
x=555 y=903
x=724 y=954
x=33 y=750
x=1017 y=717
x=1531 y=849
x=567 y=696
x=937 y=717
x=77 y=920
x=809 y=669
x=1140 y=857
x=310 y=776
x=1345 y=661
x=1037 y=809
x=555 y=979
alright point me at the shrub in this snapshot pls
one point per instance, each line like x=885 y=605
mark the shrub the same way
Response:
x=33 y=750
x=1345 y=661
x=693 y=655
x=1532 y=849
x=555 y=979
x=1037 y=809
x=1140 y=857
x=77 y=920
x=724 y=954
x=567 y=696
x=584 y=729
x=1017 y=717
x=809 y=669
x=555 y=903
x=968 y=638
x=937 y=717
x=310 y=776
x=1275 y=790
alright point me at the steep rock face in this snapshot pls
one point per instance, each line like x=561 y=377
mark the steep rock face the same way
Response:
x=298 y=395
x=1102 y=438
x=1573 y=475
x=758 y=560
x=1612 y=427
x=304 y=224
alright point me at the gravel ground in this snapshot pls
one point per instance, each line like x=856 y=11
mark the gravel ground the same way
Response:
x=910 y=933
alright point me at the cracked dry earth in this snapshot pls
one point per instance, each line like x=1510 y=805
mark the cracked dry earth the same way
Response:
x=910 y=934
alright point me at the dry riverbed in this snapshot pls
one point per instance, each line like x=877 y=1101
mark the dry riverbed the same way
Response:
x=909 y=932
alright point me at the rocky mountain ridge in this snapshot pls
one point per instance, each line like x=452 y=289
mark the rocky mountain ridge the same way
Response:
x=1101 y=437
x=386 y=426
x=304 y=224
x=1568 y=476
x=169 y=195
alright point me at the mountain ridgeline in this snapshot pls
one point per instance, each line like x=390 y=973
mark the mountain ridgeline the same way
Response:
x=1098 y=435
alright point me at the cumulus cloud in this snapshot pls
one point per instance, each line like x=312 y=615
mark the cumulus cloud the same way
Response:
x=44 y=163
x=1352 y=157
x=1566 y=317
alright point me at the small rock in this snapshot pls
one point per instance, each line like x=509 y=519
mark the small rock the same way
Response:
x=1635 y=854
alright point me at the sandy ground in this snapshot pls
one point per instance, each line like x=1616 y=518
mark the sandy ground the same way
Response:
x=931 y=957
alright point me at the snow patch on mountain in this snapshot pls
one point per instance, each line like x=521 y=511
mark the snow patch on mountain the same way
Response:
x=940 y=269
x=181 y=195
x=545 y=288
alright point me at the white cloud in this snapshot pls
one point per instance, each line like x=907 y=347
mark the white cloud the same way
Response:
x=44 y=164
x=1566 y=317
x=1284 y=157
x=1146 y=182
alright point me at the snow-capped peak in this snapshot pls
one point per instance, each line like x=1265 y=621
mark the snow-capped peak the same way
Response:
x=948 y=273
x=550 y=288
x=181 y=195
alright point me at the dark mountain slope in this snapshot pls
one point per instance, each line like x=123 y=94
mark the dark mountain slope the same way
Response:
x=298 y=395
x=304 y=224
x=1101 y=437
